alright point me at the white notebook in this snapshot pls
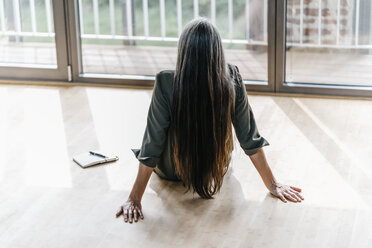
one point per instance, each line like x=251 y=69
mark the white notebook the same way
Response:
x=92 y=158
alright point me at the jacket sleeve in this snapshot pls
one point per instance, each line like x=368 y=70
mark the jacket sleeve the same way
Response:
x=244 y=123
x=158 y=121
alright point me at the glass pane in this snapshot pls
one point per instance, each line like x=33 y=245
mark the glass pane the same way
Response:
x=27 y=33
x=329 y=42
x=139 y=37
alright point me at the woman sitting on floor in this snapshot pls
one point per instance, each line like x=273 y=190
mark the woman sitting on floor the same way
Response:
x=189 y=125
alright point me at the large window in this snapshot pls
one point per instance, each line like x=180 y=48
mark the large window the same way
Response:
x=329 y=42
x=33 y=43
x=139 y=37
x=299 y=46
x=27 y=32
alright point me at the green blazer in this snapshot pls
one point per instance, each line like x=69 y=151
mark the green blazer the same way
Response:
x=156 y=150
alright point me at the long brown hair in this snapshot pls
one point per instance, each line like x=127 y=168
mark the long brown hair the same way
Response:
x=202 y=110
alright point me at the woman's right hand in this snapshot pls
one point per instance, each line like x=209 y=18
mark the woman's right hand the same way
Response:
x=131 y=210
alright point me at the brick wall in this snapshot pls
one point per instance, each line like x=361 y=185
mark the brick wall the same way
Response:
x=328 y=21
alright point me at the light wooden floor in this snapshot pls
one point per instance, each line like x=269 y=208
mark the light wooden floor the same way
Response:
x=321 y=145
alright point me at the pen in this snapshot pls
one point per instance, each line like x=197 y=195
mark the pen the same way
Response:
x=97 y=154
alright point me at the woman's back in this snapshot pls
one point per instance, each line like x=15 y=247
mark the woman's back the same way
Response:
x=157 y=151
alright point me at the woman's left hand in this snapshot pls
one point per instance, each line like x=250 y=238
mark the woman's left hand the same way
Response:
x=286 y=192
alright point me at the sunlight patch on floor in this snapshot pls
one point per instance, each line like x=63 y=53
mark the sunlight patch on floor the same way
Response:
x=119 y=124
x=45 y=142
x=327 y=187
